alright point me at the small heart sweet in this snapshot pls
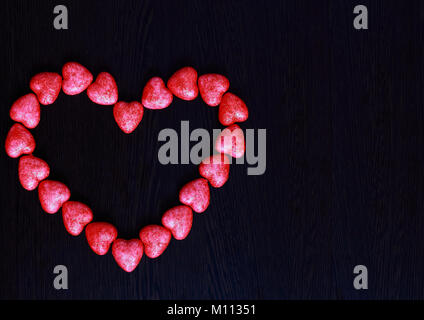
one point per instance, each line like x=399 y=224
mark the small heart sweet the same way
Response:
x=178 y=220
x=128 y=115
x=196 y=195
x=231 y=141
x=19 y=141
x=156 y=95
x=212 y=86
x=76 y=216
x=100 y=236
x=127 y=253
x=104 y=90
x=232 y=109
x=155 y=239
x=32 y=170
x=52 y=195
x=76 y=78
x=26 y=110
x=46 y=85
x=183 y=84
x=216 y=169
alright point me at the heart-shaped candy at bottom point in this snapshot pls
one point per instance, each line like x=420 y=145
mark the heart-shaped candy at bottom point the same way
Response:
x=155 y=240
x=100 y=236
x=128 y=115
x=127 y=253
x=178 y=220
x=52 y=194
x=32 y=170
x=216 y=169
x=76 y=216
x=196 y=195
x=19 y=141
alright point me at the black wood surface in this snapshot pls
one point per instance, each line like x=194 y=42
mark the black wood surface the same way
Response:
x=344 y=116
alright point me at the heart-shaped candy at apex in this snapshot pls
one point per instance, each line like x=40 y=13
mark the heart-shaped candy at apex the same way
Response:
x=232 y=109
x=178 y=220
x=52 y=195
x=76 y=78
x=127 y=253
x=156 y=95
x=128 y=115
x=46 y=85
x=183 y=84
x=212 y=86
x=216 y=169
x=104 y=90
x=32 y=170
x=26 y=110
x=76 y=216
x=19 y=141
x=231 y=141
x=100 y=236
x=155 y=240
x=196 y=195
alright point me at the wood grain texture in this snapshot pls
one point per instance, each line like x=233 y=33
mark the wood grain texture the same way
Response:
x=344 y=116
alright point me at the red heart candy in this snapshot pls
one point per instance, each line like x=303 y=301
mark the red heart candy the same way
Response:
x=104 y=90
x=32 y=170
x=196 y=195
x=127 y=253
x=128 y=115
x=100 y=236
x=231 y=141
x=156 y=95
x=216 y=169
x=26 y=110
x=52 y=195
x=232 y=109
x=183 y=84
x=76 y=216
x=178 y=220
x=212 y=86
x=155 y=239
x=46 y=85
x=76 y=78
x=19 y=141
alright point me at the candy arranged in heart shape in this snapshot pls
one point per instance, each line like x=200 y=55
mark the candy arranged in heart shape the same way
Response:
x=194 y=196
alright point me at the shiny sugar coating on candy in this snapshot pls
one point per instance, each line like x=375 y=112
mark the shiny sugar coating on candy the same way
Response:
x=32 y=170
x=178 y=220
x=100 y=236
x=156 y=95
x=53 y=194
x=127 y=253
x=76 y=216
x=128 y=115
x=231 y=141
x=26 y=110
x=46 y=86
x=183 y=84
x=196 y=195
x=104 y=90
x=19 y=141
x=76 y=78
x=212 y=86
x=232 y=109
x=216 y=169
x=155 y=240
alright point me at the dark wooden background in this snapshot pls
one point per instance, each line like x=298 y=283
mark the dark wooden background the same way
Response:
x=344 y=182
